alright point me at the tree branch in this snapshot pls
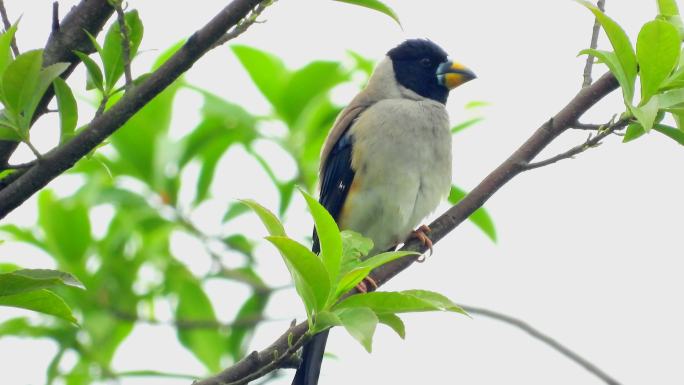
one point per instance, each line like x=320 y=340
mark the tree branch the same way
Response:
x=601 y=4
x=62 y=158
x=591 y=142
x=125 y=44
x=262 y=361
x=88 y=15
x=6 y=23
x=520 y=324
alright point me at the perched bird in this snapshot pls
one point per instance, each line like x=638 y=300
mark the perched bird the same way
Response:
x=386 y=163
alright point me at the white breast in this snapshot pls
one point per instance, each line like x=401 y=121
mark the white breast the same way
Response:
x=402 y=160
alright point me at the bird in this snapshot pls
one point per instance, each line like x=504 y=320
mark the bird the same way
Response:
x=386 y=163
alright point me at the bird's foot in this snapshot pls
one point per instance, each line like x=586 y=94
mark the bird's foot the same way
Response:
x=421 y=234
x=368 y=284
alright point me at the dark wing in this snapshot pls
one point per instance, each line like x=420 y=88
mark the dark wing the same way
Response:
x=336 y=170
x=336 y=177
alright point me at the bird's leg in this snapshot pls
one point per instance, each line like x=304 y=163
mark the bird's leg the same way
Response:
x=421 y=234
x=366 y=284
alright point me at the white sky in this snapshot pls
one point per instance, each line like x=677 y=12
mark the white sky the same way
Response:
x=589 y=249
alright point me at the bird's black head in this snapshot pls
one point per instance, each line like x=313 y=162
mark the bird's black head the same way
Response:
x=423 y=67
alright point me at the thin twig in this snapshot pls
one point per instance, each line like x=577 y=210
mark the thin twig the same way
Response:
x=585 y=126
x=601 y=4
x=592 y=141
x=244 y=23
x=125 y=43
x=545 y=339
x=34 y=150
x=102 y=106
x=6 y=23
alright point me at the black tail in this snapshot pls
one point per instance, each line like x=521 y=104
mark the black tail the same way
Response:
x=312 y=358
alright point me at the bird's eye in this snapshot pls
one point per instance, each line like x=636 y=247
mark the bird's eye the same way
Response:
x=425 y=62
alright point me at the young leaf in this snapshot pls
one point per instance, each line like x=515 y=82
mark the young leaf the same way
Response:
x=672 y=132
x=194 y=306
x=362 y=269
x=634 y=130
x=394 y=322
x=658 y=52
x=19 y=82
x=328 y=237
x=272 y=223
x=325 y=320
x=671 y=98
x=621 y=45
x=234 y=210
x=360 y=323
x=68 y=112
x=646 y=114
x=306 y=265
x=408 y=301
x=466 y=124
x=613 y=64
x=8 y=132
x=25 y=280
x=480 y=217
x=668 y=8
x=375 y=5
x=41 y=301
x=267 y=71
x=5 y=44
x=112 y=50
x=94 y=79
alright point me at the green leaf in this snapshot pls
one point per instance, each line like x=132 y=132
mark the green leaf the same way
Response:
x=25 y=280
x=672 y=98
x=668 y=8
x=41 y=301
x=328 y=237
x=272 y=223
x=634 y=130
x=112 y=50
x=68 y=112
x=67 y=229
x=307 y=270
x=480 y=217
x=234 y=211
x=305 y=84
x=19 y=83
x=194 y=306
x=466 y=124
x=94 y=79
x=360 y=323
x=354 y=276
x=267 y=72
x=621 y=45
x=611 y=60
x=325 y=320
x=354 y=245
x=252 y=309
x=5 y=47
x=409 y=301
x=9 y=133
x=240 y=243
x=45 y=78
x=672 y=132
x=646 y=114
x=658 y=52
x=375 y=5
x=394 y=322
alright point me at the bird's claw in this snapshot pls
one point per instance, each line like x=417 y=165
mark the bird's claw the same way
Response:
x=364 y=285
x=421 y=234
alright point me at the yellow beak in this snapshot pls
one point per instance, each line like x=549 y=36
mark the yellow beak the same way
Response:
x=451 y=74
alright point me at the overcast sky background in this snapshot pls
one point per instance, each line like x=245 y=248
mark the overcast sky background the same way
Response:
x=589 y=249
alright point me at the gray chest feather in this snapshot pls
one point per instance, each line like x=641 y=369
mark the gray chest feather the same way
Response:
x=402 y=160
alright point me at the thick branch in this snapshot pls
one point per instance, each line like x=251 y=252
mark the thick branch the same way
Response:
x=62 y=158
x=88 y=15
x=242 y=372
